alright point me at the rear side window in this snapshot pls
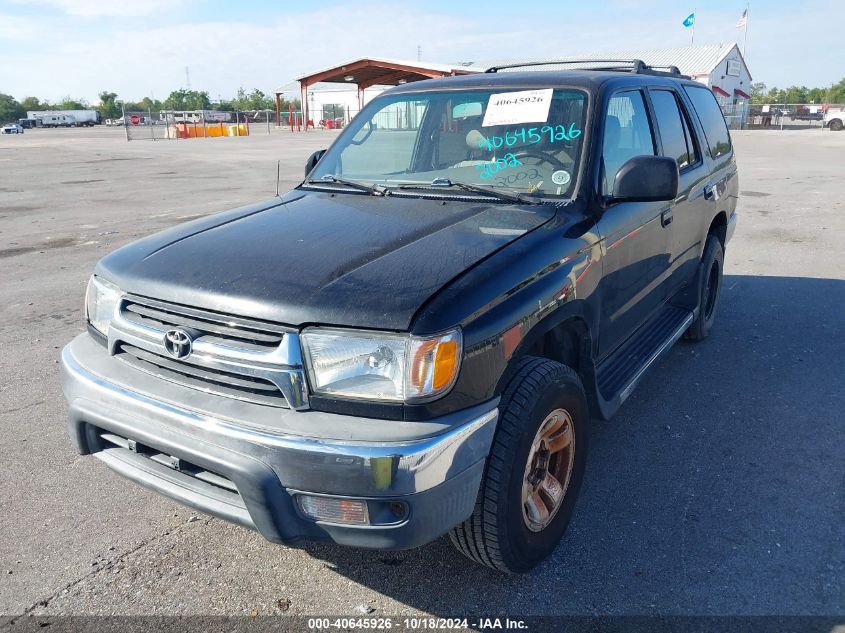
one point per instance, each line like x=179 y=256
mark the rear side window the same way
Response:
x=674 y=128
x=712 y=120
x=627 y=133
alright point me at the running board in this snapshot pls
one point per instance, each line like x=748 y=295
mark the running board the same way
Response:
x=619 y=373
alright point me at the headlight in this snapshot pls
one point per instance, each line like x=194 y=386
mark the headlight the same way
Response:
x=100 y=301
x=380 y=365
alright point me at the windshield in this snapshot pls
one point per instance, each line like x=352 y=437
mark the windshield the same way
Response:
x=526 y=141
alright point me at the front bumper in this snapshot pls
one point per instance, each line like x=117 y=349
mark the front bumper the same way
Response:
x=220 y=457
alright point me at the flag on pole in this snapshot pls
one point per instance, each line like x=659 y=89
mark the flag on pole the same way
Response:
x=690 y=20
x=743 y=19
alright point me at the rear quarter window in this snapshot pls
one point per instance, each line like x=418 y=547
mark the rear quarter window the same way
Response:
x=712 y=120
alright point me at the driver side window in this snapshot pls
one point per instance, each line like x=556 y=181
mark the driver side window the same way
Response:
x=627 y=133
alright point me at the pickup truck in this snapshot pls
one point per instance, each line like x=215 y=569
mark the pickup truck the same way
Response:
x=414 y=340
x=834 y=120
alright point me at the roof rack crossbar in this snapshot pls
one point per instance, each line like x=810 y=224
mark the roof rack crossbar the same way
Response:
x=636 y=66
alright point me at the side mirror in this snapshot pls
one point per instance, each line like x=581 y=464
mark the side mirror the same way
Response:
x=313 y=160
x=646 y=179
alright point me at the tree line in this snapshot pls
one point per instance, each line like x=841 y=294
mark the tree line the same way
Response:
x=760 y=93
x=110 y=107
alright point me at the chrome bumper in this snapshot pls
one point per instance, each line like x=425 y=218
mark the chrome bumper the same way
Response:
x=105 y=394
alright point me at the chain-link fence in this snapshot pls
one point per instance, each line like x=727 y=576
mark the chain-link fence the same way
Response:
x=328 y=117
x=402 y=116
x=782 y=116
x=175 y=124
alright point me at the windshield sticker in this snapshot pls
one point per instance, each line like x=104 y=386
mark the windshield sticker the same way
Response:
x=529 y=136
x=488 y=170
x=525 y=106
x=561 y=177
x=521 y=177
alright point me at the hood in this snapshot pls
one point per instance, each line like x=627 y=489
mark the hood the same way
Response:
x=322 y=258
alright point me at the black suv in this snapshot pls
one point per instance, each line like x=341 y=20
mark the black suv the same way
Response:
x=413 y=341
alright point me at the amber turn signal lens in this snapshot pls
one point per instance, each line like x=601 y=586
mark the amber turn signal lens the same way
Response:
x=445 y=364
x=434 y=364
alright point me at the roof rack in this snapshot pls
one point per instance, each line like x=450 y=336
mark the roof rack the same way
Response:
x=636 y=66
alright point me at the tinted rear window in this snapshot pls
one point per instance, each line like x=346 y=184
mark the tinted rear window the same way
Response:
x=674 y=132
x=712 y=120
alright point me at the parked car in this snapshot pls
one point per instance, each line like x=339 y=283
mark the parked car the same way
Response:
x=834 y=120
x=12 y=128
x=27 y=124
x=413 y=341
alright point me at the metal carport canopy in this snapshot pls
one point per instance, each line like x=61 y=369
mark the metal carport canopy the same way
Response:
x=371 y=71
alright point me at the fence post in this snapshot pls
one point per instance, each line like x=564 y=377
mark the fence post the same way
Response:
x=125 y=125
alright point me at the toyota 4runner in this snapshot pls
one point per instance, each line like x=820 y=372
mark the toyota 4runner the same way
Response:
x=413 y=341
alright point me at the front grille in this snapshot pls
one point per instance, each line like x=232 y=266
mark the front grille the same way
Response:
x=248 y=359
x=222 y=327
x=222 y=383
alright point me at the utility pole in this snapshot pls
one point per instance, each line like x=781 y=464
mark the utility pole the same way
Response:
x=187 y=78
x=419 y=53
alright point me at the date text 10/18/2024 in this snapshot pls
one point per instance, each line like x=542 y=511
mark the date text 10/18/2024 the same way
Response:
x=415 y=623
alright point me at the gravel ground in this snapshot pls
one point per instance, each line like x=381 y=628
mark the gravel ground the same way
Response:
x=717 y=489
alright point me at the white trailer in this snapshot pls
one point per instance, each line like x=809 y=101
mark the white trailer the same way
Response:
x=198 y=116
x=51 y=119
x=79 y=117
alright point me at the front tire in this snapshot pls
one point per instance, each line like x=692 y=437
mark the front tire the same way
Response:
x=835 y=125
x=534 y=470
x=709 y=289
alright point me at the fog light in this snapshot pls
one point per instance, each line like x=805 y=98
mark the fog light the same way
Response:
x=334 y=510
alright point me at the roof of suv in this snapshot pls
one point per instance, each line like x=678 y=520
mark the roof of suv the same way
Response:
x=586 y=79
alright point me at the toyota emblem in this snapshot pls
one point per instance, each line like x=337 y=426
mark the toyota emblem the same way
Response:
x=178 y=343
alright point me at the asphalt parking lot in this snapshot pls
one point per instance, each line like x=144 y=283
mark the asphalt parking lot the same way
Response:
x=719 y=488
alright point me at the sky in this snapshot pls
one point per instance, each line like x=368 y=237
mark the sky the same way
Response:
x=57 y=48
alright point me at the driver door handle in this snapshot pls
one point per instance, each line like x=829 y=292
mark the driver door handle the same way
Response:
x=666 y=217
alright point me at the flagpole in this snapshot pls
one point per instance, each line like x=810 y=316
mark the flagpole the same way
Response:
x=694 y=20
x=745 y=36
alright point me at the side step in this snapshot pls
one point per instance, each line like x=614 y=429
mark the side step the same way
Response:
x=619 y=373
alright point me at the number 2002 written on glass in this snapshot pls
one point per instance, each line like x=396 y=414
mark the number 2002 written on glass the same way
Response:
x=530 y=136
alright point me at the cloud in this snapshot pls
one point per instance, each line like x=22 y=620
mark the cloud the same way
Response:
x=143 y=57
x=99 y=8
x=18 y=28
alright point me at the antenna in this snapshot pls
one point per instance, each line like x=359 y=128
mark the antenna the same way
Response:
x=187 y=78
x=278 y=175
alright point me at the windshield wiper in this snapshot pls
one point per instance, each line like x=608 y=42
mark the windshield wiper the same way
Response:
x=376 y=190
x=490 y=191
